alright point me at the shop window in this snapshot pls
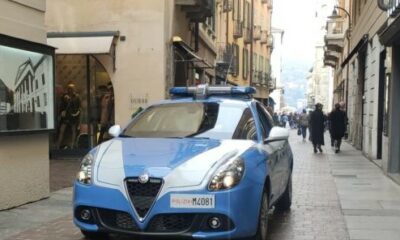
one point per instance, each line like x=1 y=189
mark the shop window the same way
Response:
x=245 y=67
x=386 y=115
x=235 y=59
x=85 y=104
x=45 y=99
x=236 y=10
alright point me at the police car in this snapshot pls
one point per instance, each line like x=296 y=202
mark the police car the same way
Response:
x=206 y=164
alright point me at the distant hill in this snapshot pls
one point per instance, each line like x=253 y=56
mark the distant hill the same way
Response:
x=294 y=79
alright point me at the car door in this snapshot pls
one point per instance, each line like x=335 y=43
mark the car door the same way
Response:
x=273 y=151
x=283 y=154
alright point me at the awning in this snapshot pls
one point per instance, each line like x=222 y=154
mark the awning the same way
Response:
x=188 y=54
x=82 y=42
x=360 y=45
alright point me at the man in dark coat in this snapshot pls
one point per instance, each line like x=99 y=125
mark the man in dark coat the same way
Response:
x=317 y=123
x=337 y=119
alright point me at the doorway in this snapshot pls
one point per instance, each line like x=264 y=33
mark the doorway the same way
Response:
x=84 y=105
x=381 y=103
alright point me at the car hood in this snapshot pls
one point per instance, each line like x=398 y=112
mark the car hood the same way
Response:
x=180 y=162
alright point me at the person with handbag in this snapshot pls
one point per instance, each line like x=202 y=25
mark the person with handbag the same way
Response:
x=303 y=122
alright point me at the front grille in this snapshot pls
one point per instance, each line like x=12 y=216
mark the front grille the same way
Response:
x=117 y=219
x=171 y=223
x=143 y=195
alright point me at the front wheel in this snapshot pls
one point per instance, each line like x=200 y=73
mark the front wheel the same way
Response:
x=285 y=202
x=262 y=229
x=95 y=235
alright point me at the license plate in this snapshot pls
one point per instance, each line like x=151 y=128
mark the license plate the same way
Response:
x=192 y=201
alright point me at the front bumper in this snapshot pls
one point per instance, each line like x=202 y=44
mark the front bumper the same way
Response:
x=112 y=212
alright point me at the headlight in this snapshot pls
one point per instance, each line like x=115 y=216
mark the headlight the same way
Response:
x=84 y=176
x=227 y=176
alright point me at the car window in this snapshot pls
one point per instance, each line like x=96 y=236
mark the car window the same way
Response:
x=246 y=128
x=265 y=120
x=188 y=119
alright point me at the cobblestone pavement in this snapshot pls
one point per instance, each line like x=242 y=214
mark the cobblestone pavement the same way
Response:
x=62 y=173
x=315 y=213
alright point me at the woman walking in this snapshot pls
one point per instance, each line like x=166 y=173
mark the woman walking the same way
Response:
x=337 y=119
x=303 y=124
x=317 y=123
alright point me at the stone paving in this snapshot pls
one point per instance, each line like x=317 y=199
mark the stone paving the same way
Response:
x=315 y=213
x=62 y=173
x=334 y=195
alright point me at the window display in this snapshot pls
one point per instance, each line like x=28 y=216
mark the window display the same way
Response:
x=84 y=103
x=26 y=86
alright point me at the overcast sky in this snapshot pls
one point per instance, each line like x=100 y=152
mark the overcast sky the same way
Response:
x=10 y=60
x=303 y=22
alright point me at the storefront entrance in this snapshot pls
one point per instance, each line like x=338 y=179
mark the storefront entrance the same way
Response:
x=84 y=105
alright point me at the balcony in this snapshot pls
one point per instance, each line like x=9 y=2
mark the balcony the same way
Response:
x=270 y=41
x=255 y=79
x=256 y=32
x=261 y=77
x=247 y=35
x=264 y=37
x=335 y=33
x=331 y=58
x=224 y=59
x=271 y=83
x=237 y=29
x=196 y=10
x=227 y=5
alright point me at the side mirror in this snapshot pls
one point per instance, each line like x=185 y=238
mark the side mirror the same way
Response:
x=277 y=134
x=115 y=130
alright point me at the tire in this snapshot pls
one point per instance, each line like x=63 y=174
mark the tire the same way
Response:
x=262 y=228
x=95 y=235
x=285 y=202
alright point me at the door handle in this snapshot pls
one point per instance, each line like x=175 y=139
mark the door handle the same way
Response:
x=269 y=161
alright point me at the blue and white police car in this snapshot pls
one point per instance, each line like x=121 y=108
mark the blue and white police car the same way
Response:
x=207 y=164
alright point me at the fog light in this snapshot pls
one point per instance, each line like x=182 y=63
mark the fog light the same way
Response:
x=214 y=223
x=85 y=214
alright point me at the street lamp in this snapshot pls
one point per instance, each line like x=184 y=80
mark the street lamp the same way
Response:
x=335 y=15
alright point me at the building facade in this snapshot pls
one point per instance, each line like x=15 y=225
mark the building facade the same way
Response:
x=320 y=81
x=276 y=63
x=363 y=63
x=24 y=175
x=245 y=44
x=143 y=49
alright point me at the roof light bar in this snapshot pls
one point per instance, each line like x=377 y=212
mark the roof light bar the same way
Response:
x=203 y=91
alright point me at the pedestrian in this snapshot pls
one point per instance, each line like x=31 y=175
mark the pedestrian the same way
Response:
x=317 y=123
x=275 y=117
x=337 y=119
x=303 y=124
x=284 y=120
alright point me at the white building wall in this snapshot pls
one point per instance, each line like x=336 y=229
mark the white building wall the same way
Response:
x=24 y=160
x=276 y=65
x=371 y=93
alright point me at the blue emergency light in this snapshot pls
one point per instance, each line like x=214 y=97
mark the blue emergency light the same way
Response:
x=204 y=91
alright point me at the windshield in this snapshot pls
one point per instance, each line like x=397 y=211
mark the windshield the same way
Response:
x=179 y=120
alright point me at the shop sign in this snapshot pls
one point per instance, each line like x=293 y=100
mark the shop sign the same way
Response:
x=26 y=86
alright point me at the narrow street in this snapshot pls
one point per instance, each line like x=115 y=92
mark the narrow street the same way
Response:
x=335 y=196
